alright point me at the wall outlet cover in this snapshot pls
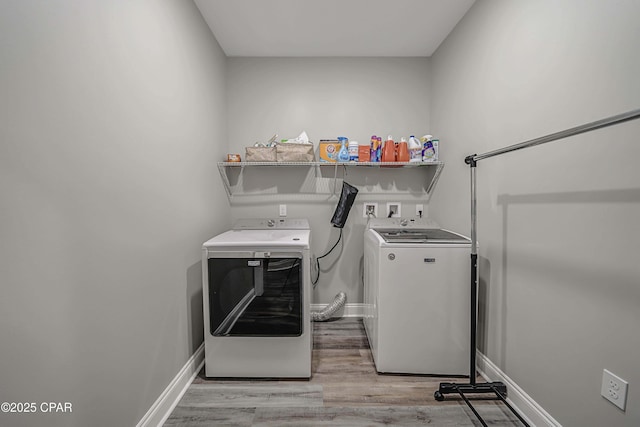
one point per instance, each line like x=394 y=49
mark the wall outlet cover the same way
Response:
x=614 y=389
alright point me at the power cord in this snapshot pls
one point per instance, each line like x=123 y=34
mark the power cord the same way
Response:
x=314 y=282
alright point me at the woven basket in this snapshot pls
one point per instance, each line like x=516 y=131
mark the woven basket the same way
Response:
x=260 y=154
x=291 y=152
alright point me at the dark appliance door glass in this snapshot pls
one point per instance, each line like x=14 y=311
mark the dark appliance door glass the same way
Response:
x=255 y=296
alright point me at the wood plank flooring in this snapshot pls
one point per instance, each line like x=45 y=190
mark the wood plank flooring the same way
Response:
x=345 y=390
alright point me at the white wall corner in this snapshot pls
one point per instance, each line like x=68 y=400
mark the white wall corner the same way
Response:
x=168 y=400
x=530 y=410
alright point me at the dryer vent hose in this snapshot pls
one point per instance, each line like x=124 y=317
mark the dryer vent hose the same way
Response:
x=328 y=311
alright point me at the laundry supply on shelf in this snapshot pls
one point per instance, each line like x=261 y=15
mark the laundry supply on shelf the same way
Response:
x=328 y=150
x=428 y=152
x=415 y=149
x=376 y=148
x=353 y=151
x=364 y=153
x=402 y=151
x=436 y=147
x=343 y=154
x=389 y=150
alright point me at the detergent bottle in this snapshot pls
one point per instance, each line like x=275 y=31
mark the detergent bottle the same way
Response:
x=402 y=151
x=415 y=149
x=389 y=150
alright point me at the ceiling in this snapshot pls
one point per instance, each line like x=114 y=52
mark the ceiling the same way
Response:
x=293 y=28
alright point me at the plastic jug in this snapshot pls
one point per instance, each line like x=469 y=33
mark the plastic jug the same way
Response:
x=402 y=151
x=389 y=150
x=415 y=149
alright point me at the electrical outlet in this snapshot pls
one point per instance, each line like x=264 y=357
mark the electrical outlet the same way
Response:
x=370 y=210
x=394 y=210
x=614 y=389
x=283 y=210
x=420 y=210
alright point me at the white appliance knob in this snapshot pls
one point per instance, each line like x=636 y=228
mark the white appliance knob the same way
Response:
x=271 y=223
x=391 y=257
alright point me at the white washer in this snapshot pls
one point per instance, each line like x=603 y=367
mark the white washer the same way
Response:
x=257 y=299
x=417 y=297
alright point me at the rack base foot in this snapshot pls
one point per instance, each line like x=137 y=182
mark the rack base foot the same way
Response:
x=449 y=388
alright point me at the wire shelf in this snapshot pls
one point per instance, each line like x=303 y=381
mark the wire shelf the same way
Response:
x=224 y=167
x=327 y=164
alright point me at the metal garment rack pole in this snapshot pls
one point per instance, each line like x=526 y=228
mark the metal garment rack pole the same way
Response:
x=498 y=389
x=598 y=124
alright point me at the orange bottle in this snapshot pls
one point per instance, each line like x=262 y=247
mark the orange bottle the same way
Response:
x=389 y=150
x=403 y=152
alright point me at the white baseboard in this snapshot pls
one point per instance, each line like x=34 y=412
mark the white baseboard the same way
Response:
x=349 y=310
x=164 y=405
x=527 y=407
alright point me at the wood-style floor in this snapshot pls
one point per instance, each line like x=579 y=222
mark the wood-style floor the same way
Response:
x=345 y=390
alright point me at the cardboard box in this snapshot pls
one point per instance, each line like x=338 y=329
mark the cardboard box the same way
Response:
x=364 y=153
x=328 y=150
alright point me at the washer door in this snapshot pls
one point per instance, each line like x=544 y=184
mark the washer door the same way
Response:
x=255 y=296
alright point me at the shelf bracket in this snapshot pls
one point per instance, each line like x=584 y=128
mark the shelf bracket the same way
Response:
x=435 y=178
x=225 y=179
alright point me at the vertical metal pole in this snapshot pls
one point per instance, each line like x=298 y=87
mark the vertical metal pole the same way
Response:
x=473 y=208
x=474 y=275
x=498 y=388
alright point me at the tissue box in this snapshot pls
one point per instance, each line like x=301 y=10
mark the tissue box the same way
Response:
x=260 y=154
x=292 y=152
x=328 y=150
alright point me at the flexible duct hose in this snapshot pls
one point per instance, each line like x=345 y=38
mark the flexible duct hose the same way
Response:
x=328 y=311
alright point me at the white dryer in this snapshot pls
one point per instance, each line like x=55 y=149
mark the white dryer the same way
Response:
x=257 y=299
x=417 y=297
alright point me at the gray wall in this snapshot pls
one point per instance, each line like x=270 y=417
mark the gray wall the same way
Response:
x=558 y=227
x=111 y=116
x=327 y=97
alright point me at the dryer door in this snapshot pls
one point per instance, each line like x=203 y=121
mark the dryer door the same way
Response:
x=257 y=295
